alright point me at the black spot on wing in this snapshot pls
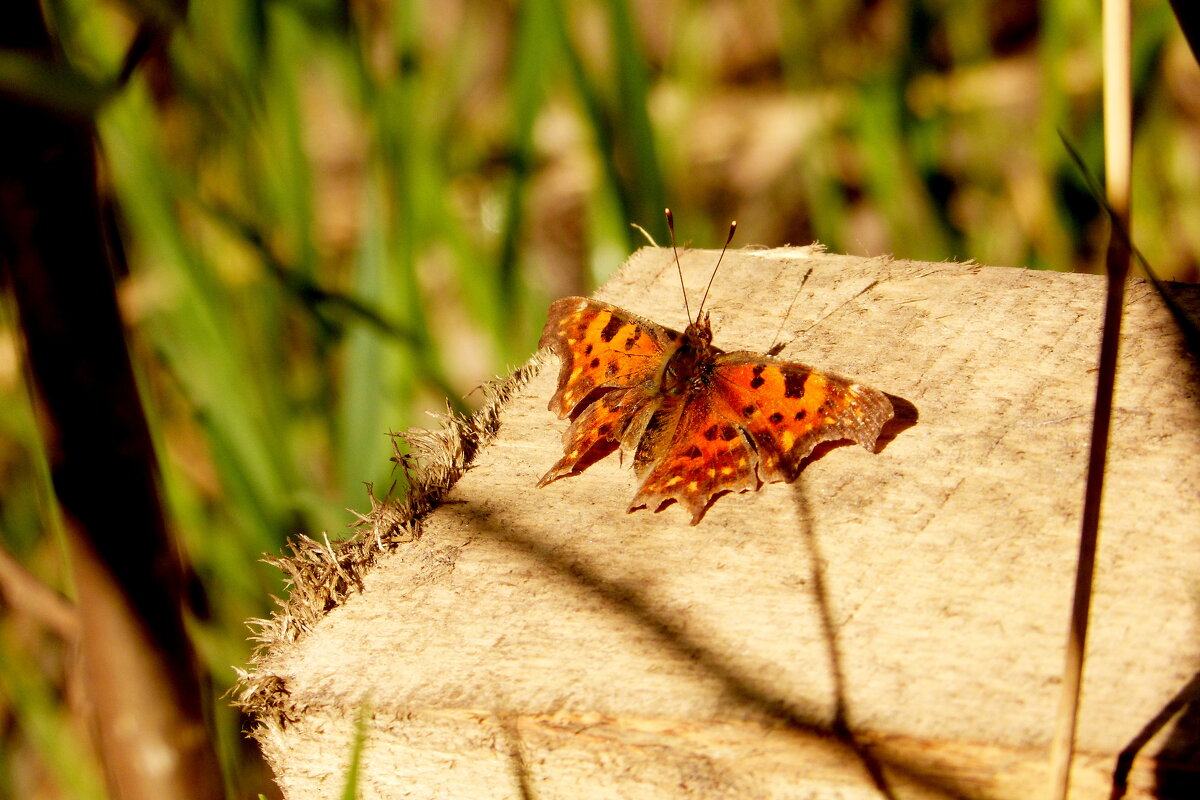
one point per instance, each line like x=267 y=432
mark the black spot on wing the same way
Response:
x=610 y=330
x=801 y=414
x=757 y=380
x=595 y=362
x=776 y=418
x=727 y=432
x=793 y=385
x=711 y=433
x=749 y=411
x=693 y=452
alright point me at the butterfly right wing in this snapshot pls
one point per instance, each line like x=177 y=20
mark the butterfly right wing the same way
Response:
x=787 y=409
x=692 y=449
x=757 y=418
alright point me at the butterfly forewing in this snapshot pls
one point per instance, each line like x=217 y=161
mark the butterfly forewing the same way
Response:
x=601 y=346
x=788 y=409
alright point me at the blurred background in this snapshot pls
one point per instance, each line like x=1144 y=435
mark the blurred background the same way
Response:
x=339 y=216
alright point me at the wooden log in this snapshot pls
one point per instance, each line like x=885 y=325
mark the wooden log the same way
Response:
x=892 y=624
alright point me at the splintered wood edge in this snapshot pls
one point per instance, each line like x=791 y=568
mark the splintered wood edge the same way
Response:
x=322 y=574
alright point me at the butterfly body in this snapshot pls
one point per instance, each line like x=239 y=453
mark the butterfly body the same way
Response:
x=698 y=420
x=690 y=366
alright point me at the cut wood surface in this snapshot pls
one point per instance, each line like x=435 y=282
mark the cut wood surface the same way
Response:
x=893 y=623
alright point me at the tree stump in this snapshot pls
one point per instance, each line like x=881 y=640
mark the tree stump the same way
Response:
x=890 y=625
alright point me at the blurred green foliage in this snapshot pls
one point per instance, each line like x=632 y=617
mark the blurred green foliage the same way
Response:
x=338 y=216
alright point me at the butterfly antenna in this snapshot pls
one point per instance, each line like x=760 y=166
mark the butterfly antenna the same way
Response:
x=679 y=269
x=728 y=239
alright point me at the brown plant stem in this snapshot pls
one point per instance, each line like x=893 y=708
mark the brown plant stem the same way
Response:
x=1118 y=129
x=137 y=664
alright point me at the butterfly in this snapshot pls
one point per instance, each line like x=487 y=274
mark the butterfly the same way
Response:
x=699 y=421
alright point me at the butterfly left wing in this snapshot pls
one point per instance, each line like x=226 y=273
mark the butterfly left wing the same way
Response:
x=601 y=347
x=608 y=381
x=616 y=418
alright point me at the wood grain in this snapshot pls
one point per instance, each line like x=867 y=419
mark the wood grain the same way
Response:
x=899 y=614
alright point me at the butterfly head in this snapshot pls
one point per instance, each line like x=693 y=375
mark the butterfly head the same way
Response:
x=689 y=366
x=699 y=333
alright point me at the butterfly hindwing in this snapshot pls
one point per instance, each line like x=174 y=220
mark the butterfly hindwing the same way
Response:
x=691 y=450
x=617 y=417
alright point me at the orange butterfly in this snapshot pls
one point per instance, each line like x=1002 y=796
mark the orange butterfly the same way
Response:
x=699 y=421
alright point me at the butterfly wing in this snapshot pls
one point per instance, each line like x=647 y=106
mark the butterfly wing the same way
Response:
x=787 y=409
x=692 y=449
x=601 y=347
x=756 y=418
x=616 y=417
x=609 y=377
